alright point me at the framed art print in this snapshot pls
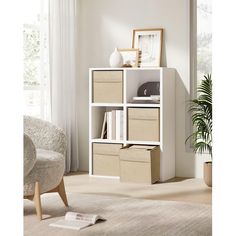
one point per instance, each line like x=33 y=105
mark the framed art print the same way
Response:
x=130 y=56
x=149 y=42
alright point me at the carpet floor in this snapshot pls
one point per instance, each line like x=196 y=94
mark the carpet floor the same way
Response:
x=125 y=216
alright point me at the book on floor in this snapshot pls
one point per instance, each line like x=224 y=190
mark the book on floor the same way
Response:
x=77 y=221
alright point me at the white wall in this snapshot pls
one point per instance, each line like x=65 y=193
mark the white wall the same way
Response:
x=106 y=24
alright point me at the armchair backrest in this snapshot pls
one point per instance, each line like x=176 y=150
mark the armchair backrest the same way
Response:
x=45 y=135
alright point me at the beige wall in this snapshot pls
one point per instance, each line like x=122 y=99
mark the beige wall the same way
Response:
x=106 y=24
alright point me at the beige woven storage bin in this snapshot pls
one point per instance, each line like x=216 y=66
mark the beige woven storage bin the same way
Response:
x=140 y=165
x=144 y=124
x=108 y=86
x=106 y=159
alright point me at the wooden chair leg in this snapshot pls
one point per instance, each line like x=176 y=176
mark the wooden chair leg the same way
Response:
x=62 y=192
x=37 y=201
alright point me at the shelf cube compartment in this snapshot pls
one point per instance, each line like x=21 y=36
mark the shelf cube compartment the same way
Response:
x=107 y=86
x=144 y=124
x=107 y=124
x=137 y=78
x=106 y=159
x=140 y=164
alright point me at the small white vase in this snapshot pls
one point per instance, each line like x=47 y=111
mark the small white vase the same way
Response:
x=116 y=59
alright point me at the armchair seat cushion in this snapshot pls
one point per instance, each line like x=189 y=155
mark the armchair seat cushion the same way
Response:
x=48 y=171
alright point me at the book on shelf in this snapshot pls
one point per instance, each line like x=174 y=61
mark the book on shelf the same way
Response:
x=119 y=124
x=109 y=124
x=113 y=124
x=148 y=99
x=112 y=127
x=103 y=133
x=77 y=221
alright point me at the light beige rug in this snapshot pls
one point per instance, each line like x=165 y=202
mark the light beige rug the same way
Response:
x=125 y=216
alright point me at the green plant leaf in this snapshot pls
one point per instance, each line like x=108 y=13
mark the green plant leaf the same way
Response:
x=201 y=115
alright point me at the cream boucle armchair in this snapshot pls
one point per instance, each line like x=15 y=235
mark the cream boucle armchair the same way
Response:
x=44 y=160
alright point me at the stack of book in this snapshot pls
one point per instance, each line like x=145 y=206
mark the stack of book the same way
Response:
x=112 y=127
x=147 y=99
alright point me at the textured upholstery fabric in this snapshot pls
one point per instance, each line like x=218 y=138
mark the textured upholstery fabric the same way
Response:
x=48 y=171
x=49 y=158
x=45 y=135
x=29 y=154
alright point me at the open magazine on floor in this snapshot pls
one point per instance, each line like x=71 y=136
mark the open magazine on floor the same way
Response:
x=77 y=221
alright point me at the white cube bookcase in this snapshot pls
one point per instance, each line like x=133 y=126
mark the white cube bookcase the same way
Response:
x=132 y=79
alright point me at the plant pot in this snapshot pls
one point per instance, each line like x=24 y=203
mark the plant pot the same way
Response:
x=208 y=173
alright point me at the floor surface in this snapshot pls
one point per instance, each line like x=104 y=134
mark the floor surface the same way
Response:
x=177 y=189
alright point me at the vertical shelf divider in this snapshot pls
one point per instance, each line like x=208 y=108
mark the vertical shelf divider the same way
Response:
x=90 y=123
x=124 y=107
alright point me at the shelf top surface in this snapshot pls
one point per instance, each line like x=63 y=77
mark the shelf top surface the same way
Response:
x=132 y=68
x=98 y=140
x=143 y=142
x=107 y=104
x=143 y=105
x=125 y=105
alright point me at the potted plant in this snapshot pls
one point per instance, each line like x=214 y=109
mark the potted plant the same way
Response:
x=201 y=115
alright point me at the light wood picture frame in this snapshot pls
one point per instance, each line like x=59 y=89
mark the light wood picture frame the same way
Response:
x=149 y=42
x=130 y=56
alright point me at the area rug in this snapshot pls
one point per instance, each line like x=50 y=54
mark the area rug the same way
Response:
x=125 y=216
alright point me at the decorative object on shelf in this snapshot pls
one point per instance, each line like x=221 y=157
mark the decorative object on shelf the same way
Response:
x=148 y=92
x=149 y=42
x=126 y=65
x=116 y=59
x=153 y=99
x=149 y=88
x=201 y=138
x=130 y=57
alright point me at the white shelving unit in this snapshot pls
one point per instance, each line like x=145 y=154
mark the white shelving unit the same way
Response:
x=132 y=79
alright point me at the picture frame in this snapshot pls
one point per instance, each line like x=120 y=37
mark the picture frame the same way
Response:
x=149 y=42
x=130 y=56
